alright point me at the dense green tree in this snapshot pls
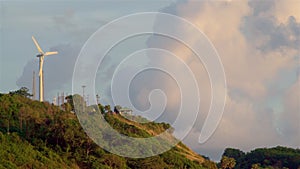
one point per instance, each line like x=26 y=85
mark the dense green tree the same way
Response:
x=23 y=91
x=233 y=153
x=237 y=154
x=277 y=157
x=227 y=162
x=70 y=102
x=101 y=108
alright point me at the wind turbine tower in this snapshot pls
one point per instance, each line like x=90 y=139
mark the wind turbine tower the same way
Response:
x=41 y=56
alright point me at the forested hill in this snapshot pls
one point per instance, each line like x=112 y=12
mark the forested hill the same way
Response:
x=270 y=158
x=42 y=135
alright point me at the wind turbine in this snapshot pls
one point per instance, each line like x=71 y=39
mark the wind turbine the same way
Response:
x=41 y=56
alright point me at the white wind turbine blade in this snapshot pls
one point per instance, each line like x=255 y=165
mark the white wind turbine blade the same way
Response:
x=50 y=53
x=41 y=65
x=37 y=45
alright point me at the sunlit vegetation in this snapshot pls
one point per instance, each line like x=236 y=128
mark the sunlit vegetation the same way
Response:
x=42 y=135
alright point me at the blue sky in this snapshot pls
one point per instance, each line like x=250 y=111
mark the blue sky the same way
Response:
x=53 y=23
x=258 y=43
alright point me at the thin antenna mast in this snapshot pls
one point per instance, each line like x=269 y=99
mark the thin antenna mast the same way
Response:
x=83 y=97
x=87 y=100
x=98 y=97
x=33 y=87
x=63 y=97
x=58 y=103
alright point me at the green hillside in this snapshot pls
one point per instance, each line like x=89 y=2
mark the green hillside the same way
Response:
x=269 y=158
x=42 y=135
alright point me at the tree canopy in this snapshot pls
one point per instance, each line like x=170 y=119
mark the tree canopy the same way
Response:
x=276 y=157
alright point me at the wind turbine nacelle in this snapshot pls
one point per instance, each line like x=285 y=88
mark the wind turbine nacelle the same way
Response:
x=39 y=55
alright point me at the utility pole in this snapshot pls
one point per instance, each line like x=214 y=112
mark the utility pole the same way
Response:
x=63 y=97
x=98 y=97
x=33 y=87
x=87 y=100
x=83 y=98
x=58 y=99
x=83 y=86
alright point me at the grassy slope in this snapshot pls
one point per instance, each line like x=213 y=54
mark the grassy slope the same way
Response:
x=157 y=129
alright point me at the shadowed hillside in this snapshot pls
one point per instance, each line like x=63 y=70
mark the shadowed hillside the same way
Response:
x=270 y=158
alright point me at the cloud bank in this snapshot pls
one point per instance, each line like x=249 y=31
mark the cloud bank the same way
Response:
x=259 y=46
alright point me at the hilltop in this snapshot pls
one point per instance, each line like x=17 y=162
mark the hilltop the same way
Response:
x=42 y=135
